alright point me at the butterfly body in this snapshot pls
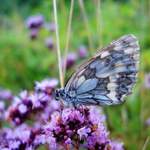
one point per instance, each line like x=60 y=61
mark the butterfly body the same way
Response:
x=107 y=77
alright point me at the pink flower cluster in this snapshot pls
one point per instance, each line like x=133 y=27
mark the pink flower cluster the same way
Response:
x=81 y=128
x=27 y=104
x=36 y=119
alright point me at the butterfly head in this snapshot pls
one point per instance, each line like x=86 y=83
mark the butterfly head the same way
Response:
x=60 y=94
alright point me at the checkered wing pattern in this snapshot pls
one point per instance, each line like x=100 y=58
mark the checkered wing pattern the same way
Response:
x=109 y=76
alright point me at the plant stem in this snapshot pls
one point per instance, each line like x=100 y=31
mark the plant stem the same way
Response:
x=68 y=34
x=85 y=18
x=58 y=46
x=146 y=143
x=67 y=147
x=99 y=23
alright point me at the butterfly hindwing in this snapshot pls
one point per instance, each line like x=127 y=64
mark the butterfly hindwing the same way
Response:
x=109 y=76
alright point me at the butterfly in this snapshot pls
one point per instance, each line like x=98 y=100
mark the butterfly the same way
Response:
x=105 y=79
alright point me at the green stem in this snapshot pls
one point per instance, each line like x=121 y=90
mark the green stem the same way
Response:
x=58 y=46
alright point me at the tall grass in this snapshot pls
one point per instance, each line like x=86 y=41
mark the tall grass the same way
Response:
x=58 y=46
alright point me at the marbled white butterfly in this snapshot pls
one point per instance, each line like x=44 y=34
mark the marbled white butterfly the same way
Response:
x=106 y=78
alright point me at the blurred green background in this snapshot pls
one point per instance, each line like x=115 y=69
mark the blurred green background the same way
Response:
x=24 y=60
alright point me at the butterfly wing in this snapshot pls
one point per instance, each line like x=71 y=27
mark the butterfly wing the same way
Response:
x=109 y=76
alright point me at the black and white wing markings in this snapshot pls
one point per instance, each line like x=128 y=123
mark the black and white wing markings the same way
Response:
x=109 y=76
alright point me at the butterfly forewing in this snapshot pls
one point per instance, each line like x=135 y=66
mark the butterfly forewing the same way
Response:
x=109 y=76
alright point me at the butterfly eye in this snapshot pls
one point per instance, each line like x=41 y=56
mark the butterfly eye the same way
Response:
x=59 y=93
x=62 y=93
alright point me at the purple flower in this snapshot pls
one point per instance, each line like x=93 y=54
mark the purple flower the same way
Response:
x=40 y=139
x=39 y=100
x=83 y=132
x=51 y=125
x=68 y=141
x=72 y=115
x=33 y=33
x=22 y=108
x=147 y=81
x=82 y=51
x=2 y=110
x=147 y=122
x=96 y=112
x=47 y=85
x=52 y=106
x=52 y=143
x=29 y=148
x=22 y=137
x=35 y=22
x=50 y=26
x=49 y=43
x=116 y=145
x=14 y=144
x=19 y=108
x=26 y=103
x=5 y=94
x=73 y=126
x=2 y=106
x=70 y=61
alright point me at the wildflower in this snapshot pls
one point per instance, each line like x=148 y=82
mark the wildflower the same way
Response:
x=75 y=126
x=82 y=51
x=5 y=94
x=14 y=144
x=46 y=86
x=147 y=122
x=50 y=26
x=33 y=33
x=21 y=106
x=25 y=104
x=52 y=106
x=40 y=139
x=49 y=43
x=34 y=22
x=52 y=143
x=83 y=132
x=70 y=60
x=116 y=145
x=147 y=81
x=2 y=110
x=53 y=126
x=22 y=137
x=68 y=141
x=39 y=100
